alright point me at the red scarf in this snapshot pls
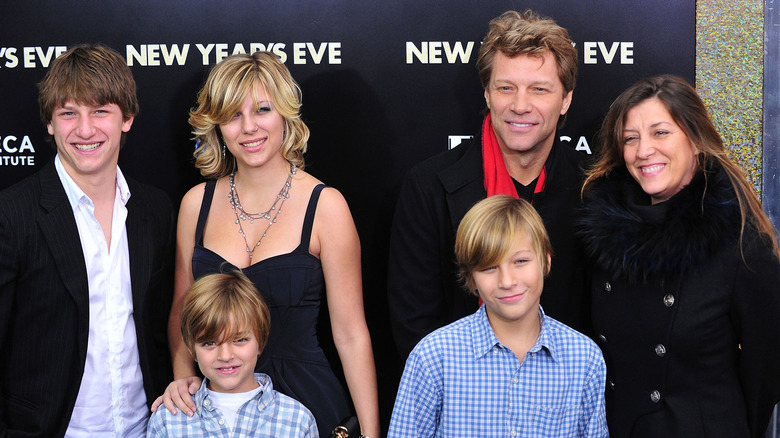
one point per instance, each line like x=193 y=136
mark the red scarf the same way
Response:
x=497 y=179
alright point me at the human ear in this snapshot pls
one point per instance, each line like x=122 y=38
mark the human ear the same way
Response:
x=549 y=264
x=566 y=102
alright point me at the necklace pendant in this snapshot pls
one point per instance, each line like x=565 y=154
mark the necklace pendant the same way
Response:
x=242 y=215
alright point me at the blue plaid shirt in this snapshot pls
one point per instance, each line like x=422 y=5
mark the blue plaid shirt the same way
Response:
x=267 y=414
x=460 y=381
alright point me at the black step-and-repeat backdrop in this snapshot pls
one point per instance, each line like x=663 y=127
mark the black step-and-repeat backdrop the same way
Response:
x=385 y=85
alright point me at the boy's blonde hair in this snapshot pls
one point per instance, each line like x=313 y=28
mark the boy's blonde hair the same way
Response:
x=489 y=230
x=223 y=307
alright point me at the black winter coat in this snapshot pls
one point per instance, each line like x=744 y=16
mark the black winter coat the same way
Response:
x=687 y=321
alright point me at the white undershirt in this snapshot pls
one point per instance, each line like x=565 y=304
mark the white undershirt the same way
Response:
x=111 y=401
x=229 y=403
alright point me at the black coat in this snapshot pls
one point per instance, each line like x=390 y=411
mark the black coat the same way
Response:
x=686 y=320
x=423 y=289
x=44 y=300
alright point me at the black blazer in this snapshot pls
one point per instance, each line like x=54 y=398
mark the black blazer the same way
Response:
x=423 y=289
x=44 y=309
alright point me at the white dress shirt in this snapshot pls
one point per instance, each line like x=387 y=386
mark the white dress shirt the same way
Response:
x=111 y=400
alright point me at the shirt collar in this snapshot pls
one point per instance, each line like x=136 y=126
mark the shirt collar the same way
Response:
x=74 y=192
x=485 y=340
x=264 y=397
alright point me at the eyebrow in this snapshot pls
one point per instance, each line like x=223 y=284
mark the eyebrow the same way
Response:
x=652 y=125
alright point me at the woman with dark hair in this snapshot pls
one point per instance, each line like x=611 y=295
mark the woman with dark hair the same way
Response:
x=686 y=278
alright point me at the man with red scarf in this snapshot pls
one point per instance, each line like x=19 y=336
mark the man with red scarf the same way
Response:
x=528 y=67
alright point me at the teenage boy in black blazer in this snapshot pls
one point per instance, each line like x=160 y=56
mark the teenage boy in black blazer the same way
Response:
x=85 y=267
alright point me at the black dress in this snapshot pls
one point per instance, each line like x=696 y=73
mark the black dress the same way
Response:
x=292 y=285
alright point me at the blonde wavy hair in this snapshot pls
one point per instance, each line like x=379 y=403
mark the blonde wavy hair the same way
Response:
x=221 y=97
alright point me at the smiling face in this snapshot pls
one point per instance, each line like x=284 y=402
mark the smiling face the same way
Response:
x=512 y=288
x=229 y=366
x=255 y=133
x=88 y=138
x=526 y=98
x=657 y=153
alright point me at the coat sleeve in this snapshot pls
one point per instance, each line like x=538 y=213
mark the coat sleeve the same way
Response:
x=756 y=309
x=415 y=290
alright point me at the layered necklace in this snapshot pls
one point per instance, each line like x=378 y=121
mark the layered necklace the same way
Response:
x=271 y=214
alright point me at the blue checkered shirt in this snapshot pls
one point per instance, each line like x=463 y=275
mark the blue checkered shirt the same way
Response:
x=460 y=381
x=267 y=414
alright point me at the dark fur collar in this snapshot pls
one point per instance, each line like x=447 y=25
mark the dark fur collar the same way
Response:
x=627 y=236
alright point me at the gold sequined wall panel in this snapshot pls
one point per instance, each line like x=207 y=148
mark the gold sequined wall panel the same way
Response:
x=729 y=75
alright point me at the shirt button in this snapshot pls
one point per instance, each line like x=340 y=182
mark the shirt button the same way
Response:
x=515 y=380
x=655 y=396
x=221 y=421
x=660 y=350
x=207 y=402
x=513 y=433
x=668 y=300
x=607 y=287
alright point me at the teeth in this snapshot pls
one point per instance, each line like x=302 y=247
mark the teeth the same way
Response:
x=87 y=147
x=521 y=125
x=653 y=168
x=254 y=144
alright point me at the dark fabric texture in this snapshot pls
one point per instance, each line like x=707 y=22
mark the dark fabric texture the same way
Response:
x=687 y=325
x=293 y=286
x=424 y=292
x=44 y=309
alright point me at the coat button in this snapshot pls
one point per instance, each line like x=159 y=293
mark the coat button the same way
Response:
x=660 y=350
x=607 y=287
x=611 y=384
x=655 y=396
x=668 y=300
x=603 y=338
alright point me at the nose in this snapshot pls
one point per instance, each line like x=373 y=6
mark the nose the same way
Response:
x=225 y=351
x=249 y=125
x=505 y=278
x=85 y=127
x=645 y=149
x=520 y=102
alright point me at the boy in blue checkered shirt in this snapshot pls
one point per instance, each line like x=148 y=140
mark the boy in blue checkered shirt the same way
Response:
x=225 y=325
x=508 y=369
